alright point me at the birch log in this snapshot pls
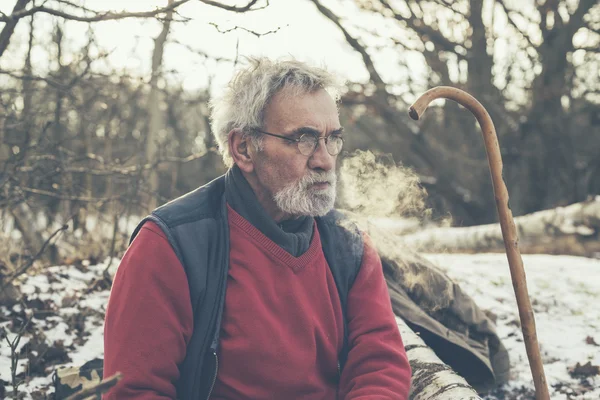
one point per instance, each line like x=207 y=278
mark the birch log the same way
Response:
x=431 y=379
x=573 y=230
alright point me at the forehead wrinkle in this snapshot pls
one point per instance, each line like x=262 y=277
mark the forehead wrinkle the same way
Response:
x=294 y=116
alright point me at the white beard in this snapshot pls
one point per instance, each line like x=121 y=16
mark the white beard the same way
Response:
x=299 y=199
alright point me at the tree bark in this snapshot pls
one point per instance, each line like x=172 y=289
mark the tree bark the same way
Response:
x=431 y=379
x=156 y=122
x=573 y=230
x=9 y=27
x=4 y=151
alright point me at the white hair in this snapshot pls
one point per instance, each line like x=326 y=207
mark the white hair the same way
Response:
x=247 y=95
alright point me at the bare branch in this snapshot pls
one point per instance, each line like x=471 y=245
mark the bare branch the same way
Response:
x=353 y=42
x=50 y=82
x=508 y=13
x=451 y=6
x=242 y=9
x=235 y=28
x=400 y=43
x=125 y=171
x=77 y=6
x=95 y=17
x=28 y=264
x=85 y=199
x=195 y=51
x=14 y=354
x=417 y=25
x=10 y=25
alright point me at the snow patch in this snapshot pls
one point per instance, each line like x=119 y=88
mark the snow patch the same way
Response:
x=564 y=292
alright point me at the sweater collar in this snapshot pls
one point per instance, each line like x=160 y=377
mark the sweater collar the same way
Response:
x=292 y=235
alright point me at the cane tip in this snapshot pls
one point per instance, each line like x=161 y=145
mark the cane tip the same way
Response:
x=413 y=113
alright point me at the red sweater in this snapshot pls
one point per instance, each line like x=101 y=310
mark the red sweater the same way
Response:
x=281 y=330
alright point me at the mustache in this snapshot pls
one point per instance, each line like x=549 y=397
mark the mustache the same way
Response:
x=313 y=177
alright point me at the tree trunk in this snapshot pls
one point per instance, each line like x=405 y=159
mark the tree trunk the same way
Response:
x=551 y=167
x=25 y=223
x=4 y=151
x=9 y=27
x=573 y=230
x=156 y=122
x=431 y=379
x=179 y=136
x=480 y=62
x=108 y=160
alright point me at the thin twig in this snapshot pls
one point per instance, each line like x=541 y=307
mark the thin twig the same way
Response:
x=50 y=82
x=235 y=28
x=97 y=17
x=111 y=15
x=14 y=356
x=352 y=41
x=125 y=171
x=27 y=265
x=62 y=197
x=236 y=9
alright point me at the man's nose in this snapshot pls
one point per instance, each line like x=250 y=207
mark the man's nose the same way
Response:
x=321 y=159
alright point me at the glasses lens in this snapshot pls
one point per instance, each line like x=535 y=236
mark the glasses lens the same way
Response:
x=307 y=144
x=334 y=145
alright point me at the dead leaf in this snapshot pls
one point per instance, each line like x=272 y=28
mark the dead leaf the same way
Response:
x=584 y=371
x=590 y=340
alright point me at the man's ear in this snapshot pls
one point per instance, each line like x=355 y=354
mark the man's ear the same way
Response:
x=239 y=148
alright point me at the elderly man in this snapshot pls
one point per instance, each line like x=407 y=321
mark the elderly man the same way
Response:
x=252 y=286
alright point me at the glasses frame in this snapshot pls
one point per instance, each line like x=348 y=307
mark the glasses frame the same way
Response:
x=299 y=139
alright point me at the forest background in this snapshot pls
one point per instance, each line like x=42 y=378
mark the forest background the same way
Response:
x=104 y=106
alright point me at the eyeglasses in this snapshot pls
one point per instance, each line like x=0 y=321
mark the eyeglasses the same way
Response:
x=307 y=142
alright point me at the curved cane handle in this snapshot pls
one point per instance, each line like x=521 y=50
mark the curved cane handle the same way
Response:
x=507 y=223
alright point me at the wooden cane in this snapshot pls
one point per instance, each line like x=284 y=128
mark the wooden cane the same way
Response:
x=507 y=223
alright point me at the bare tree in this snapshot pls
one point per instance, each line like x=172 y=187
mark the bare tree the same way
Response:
x=71 y=11
x=518 y=59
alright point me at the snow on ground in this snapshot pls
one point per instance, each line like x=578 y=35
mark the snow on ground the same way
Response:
x=565 y=294
x=67 y=306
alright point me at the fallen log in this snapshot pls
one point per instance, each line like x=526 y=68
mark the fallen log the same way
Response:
x=431 y=378
x=571 y=230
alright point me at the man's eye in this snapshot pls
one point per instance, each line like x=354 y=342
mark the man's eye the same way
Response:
x=307 y=138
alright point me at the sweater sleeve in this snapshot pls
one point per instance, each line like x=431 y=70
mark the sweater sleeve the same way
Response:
x=377 y=365
x=148 y=321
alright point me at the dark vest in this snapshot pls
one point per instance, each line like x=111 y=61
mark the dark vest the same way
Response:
x=197 y=228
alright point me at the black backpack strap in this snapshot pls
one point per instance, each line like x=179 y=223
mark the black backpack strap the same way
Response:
x=343 y=248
